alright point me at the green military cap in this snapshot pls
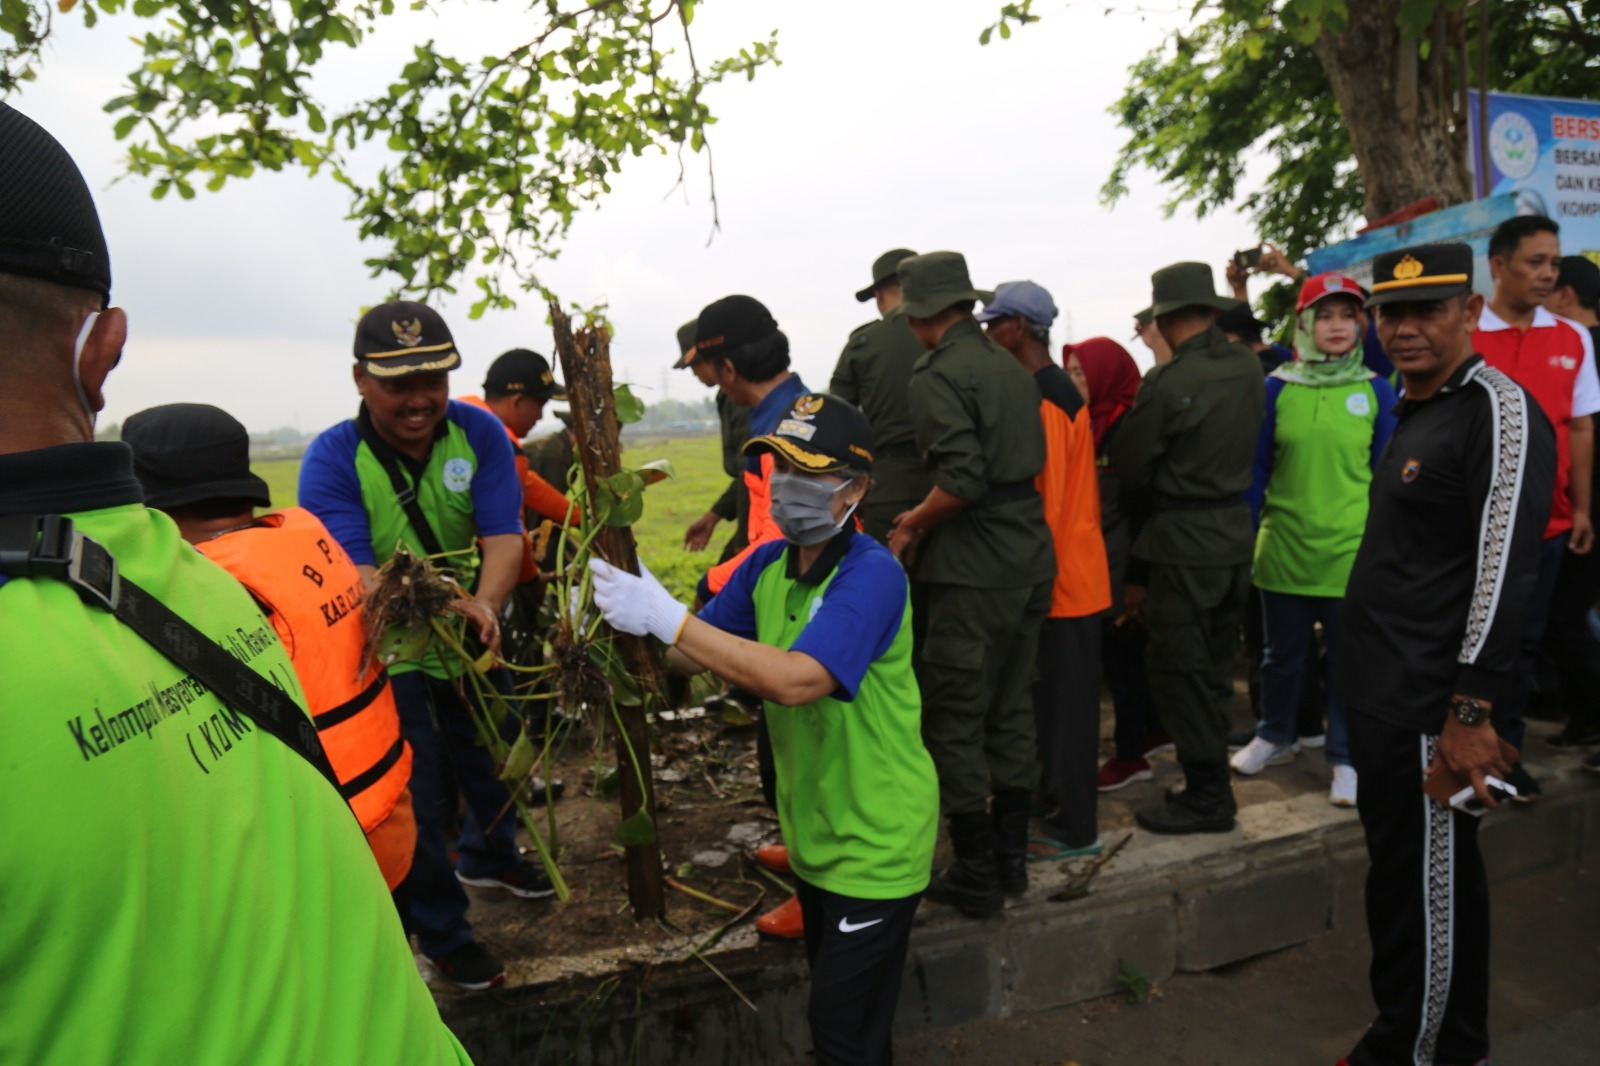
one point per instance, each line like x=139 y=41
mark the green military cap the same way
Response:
x=930 y=283
x=1185 y=285
x=686 y=344
x=884 y=267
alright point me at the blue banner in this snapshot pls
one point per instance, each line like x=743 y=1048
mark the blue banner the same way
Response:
x=1467 y=223
x=1546 y=151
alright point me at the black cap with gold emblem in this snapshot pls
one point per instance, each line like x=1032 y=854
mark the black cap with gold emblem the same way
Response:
x=524 y=371
x=821 y=434
x=1421 y=274
x=403 y=337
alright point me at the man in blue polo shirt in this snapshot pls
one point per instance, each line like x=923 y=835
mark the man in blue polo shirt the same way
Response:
x=818 y=624
x=419 y=470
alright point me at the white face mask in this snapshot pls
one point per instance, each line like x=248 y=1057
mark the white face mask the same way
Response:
x=77 y=367
x=803 y=508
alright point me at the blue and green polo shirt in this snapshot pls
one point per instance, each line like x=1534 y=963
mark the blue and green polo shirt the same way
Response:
x=468 y=487
x=857 y=796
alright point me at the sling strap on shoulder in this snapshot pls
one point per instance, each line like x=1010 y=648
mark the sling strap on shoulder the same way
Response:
x=47 y=546
x=404 y=491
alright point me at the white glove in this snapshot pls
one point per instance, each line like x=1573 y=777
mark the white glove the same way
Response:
x=637 y=605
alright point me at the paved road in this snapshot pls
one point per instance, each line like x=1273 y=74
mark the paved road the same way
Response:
x=1308 y=1005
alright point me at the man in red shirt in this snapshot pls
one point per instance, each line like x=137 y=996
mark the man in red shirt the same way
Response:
x=1553 y=358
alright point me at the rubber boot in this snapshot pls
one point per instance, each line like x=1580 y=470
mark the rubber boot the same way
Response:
x=971 y=884
x=1206 y=804
x=1009 y=813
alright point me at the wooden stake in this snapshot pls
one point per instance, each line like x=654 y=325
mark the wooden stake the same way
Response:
x=586 y=366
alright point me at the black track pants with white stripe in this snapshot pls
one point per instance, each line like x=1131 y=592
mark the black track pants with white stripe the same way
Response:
x=1427 y=908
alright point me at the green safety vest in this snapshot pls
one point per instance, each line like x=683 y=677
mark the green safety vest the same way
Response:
x=180 y=886
x=445 y=495
x=858 y=798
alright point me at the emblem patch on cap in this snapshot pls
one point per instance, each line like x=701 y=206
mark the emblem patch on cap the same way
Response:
x=792 y=428
x=1409 y=267
x=407 y=334
x=458 y=474
x=1335 y=284
x=1409 y=472
x=807 y=407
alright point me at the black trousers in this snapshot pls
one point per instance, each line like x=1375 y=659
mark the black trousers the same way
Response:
x=857 y=952
x=1571 y=645
x=1066 y=714
x=1427 y=908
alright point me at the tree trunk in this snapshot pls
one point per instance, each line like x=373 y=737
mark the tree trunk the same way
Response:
x=1406 y=145
x=586 y=366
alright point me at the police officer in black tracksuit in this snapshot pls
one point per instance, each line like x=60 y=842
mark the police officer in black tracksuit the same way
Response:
x=1433 y=614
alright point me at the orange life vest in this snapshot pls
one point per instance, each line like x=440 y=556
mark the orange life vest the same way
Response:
x=312 y=593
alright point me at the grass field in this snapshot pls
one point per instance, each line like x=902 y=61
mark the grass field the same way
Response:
x=669 y=506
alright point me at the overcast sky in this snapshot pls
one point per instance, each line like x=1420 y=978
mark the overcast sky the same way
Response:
x=887 y=125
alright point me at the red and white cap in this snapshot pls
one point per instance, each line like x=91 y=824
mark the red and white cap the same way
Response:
x=1330 y=284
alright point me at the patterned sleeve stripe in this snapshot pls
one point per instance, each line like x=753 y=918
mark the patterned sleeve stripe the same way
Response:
x=1508 y=406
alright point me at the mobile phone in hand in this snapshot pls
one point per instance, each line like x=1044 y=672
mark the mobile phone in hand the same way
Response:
x=1249 y=259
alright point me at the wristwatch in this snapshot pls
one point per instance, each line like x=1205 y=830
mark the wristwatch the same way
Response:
x=1469 y=711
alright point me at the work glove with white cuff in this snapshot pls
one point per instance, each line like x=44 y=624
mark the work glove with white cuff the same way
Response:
x=637 y=605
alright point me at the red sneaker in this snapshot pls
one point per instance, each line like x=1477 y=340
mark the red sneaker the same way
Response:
x=1120 y=773
x=1156 y=743
x=783 y=922
x=774 y=857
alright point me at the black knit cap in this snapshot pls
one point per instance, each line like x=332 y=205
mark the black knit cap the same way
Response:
x=49 y=228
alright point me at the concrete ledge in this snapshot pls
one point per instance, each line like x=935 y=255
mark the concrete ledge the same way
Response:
x=1293 y=869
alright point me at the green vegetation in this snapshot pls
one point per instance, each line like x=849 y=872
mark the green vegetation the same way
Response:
x=669 y=507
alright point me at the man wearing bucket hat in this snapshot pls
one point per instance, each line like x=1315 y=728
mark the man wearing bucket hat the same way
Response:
x=228 y=875
x=1433 y=615
x=193 y=462
x=1190 y=441
x=734 y=503
x=818 y=623
x=873 y=373
x=981 y=558
x=417 y=469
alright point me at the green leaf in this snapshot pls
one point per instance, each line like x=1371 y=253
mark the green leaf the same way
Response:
x=656 y=470
x=637 y=828
x=619 y=499
x=125 y=126
x=629 y=407
x=609 y=783
x=399 y=645
x=519 y=760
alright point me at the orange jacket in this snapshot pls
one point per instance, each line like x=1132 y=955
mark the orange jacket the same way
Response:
x=759 y=528
x=1071 y=493
x=312 y=594
x=538 y=495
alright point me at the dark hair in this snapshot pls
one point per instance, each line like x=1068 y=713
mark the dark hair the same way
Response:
x=1591 y=304
x=757 y=361
x=210 y=510
x=1509 y=234
x=1037 y=331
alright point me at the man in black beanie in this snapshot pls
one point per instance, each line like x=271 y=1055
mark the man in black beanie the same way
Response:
x=208 y=857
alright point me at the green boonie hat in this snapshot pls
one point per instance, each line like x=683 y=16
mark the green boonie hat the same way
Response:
x=1172 y=288
x=930 y=283
x=685 y=344
x=884 y=267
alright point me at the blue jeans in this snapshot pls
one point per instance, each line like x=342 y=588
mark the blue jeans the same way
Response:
x=1507 y=711
x=1289 y=623
x=447 y=762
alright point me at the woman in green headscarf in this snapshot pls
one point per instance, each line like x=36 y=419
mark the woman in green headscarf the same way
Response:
x=1327 y=420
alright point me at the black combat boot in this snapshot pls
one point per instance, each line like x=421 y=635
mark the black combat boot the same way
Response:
x=971 y=884
x=1009 y=814
x=1206 y=804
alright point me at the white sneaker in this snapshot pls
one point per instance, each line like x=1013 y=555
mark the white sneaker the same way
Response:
x=1315 y=740
x=1260 y=754
x=1342 y=793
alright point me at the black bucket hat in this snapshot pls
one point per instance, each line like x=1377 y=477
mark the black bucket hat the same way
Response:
x=186 y=453
x=49 y=228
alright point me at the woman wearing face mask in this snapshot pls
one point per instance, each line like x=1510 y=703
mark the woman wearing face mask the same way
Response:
x=818 y=625
x=1328 y=419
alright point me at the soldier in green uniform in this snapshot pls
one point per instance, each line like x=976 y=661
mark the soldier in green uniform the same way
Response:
x=874 y=373
x=734 y=503
x=981 y=561
x=1189 y=442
